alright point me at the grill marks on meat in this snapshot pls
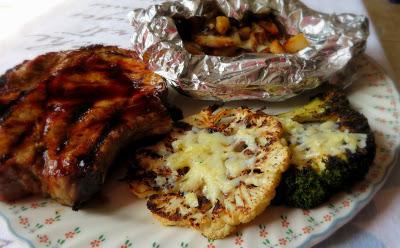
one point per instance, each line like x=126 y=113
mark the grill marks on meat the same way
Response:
x=20 y=134
x=65 y=116
x=21 y=119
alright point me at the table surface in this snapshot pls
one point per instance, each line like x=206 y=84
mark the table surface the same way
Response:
x=377 y=225
x=386 y=18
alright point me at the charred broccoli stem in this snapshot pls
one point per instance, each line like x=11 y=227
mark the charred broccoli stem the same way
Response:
x=304 y=186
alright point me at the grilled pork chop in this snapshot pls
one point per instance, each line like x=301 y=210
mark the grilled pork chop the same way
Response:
x=64 y=116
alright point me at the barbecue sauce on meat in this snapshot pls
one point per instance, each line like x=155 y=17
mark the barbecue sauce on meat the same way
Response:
x=64 y=117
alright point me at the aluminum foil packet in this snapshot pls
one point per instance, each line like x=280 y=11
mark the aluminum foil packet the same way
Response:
x=335 y=39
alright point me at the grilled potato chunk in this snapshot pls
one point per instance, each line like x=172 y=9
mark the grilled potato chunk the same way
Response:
x=296 y=43
x=222 y=24
x=215 y=170
x=276 y=47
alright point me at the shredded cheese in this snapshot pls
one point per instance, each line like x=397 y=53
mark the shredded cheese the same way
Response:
x=214 y=163
x=316 y=141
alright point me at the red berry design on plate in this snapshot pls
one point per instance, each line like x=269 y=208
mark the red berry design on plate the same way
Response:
x=69 y=235
x=43 y=238
x=49 y=221
x=306 y=230
x=95 y=243
x=282 y=241
x=263 y=233
x=238 y=241
x=327 y=217
x=23 y=221
x=346 y=203
x=284 y=221
x=210 y=243
x=34 y=205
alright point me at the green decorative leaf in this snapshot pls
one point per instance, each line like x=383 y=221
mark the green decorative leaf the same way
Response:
x=61 y=241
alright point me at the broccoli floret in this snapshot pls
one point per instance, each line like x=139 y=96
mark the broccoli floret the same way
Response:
x=314 y=177
x=301 y=188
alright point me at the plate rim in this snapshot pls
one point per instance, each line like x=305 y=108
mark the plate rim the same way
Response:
x=10 y=229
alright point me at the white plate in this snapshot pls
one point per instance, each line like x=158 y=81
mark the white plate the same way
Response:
x=117 y=219
x=120 y=220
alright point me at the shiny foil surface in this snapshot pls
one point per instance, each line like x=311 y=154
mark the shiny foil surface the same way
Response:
x=335 y=39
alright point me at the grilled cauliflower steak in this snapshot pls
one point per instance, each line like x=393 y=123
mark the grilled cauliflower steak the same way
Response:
x=332 y=147
x=66 y=115
x=215 y=170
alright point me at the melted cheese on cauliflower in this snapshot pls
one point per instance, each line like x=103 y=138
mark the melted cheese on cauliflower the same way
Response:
x=191 y=199
x=213 y=160
x=315 y=141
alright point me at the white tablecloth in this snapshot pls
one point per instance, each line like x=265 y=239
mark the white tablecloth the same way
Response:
x=38 y=26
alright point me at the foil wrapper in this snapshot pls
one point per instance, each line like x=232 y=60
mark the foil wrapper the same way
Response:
x=335 y=39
